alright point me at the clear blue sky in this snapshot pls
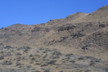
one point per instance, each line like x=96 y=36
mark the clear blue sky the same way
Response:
x=40 y=11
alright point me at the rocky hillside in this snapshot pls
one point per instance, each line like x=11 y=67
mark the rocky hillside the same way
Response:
x=77 y=43
x=26 y=59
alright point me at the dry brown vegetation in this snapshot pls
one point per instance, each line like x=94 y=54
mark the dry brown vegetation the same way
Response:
x=77 y=43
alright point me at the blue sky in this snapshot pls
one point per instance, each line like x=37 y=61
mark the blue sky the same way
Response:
x=31 y=12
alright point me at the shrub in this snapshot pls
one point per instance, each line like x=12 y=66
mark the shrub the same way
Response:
x=69 y=54
x=7 y=63
x=1 y=57
x=77 y=35
x=102 y=25
x=92 y=63
x=72 y=61
x=46 y=71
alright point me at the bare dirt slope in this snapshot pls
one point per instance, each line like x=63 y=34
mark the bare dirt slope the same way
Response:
x=82 y=34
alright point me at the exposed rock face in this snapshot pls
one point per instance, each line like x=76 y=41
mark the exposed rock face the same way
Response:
x=77 y=43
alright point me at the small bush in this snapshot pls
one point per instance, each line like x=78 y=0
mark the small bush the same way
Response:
x=8 y=47
x=69 y=54
x=46 y=71
x=77 y=35
x=7 y=63
x=92 y=64
x=102 y=25
x=72 y=61
x=85 y=47
x=81 y=58
x=1 y=57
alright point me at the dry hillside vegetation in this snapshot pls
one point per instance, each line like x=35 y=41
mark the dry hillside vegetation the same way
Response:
x=77 y=43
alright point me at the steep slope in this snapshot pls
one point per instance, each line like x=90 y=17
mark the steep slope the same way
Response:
x=79 y=33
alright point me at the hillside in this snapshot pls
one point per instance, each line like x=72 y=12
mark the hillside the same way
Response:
x=77 y=43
